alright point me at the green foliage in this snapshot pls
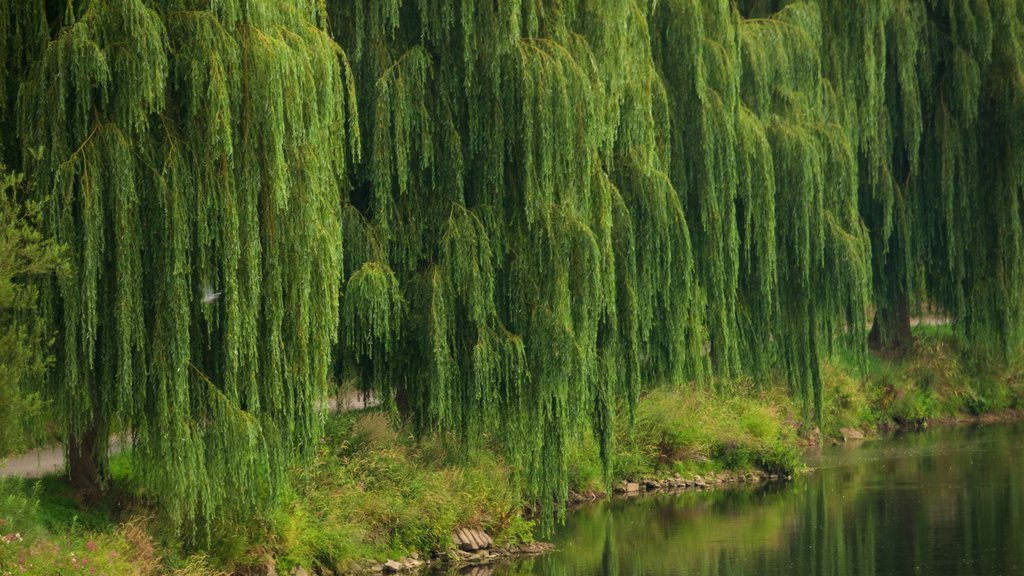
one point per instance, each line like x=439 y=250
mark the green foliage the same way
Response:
x=27 y=260
x=371 y=321
x=22 y=35
x=490 y=185
x=936 y=380
x=847 y=397
x=369 y=493
x=575 y=201
x=929 y=93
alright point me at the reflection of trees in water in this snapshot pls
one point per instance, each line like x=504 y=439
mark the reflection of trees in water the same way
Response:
x=947 y=502
x=935 y=504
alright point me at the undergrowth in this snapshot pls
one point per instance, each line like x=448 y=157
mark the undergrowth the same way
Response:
x=680 y=430
x=371 y=491
x=43 y=531
x=933 y=381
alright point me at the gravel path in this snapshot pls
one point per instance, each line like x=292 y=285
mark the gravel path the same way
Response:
x=36 y=463
x=50 y=459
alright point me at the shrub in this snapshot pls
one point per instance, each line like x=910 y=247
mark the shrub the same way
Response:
x=25 y=258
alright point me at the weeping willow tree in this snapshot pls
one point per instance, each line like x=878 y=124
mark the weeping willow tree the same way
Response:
x=930 y=90
x=191 y=155
x=561 y=201
x=517 y=260
x=696 y=49
x=971 y=169
x=925 y=91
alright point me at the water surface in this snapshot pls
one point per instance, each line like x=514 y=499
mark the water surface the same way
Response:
x=943 y=502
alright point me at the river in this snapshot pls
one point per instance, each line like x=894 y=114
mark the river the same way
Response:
x=943 y=502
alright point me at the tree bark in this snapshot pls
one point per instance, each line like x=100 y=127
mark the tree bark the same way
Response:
x=83 y=465
x=403 y=403
x=890 y=332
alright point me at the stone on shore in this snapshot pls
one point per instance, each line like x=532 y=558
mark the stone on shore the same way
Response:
x=471 y=539
x=849 y=434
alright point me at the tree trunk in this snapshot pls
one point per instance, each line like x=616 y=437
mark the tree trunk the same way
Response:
x=403 y=403
x=890 y=332
x=83 y=465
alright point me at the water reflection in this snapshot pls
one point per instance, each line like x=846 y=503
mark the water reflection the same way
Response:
x=948 y=502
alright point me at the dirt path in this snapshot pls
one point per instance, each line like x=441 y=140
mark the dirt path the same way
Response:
x=34 y=464
x=50 y=459
x=929 y=321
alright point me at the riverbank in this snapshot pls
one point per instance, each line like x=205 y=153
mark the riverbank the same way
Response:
x=930 y=385
x=939 y=501
x=371 y=500
x=371 y=494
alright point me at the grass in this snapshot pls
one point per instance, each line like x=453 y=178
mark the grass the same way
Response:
x=44 y=532
x=370 y=493
x=681 y=430
x=930 y=383
x=374 y=493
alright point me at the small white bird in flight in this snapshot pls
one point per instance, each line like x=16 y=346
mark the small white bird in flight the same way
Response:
x=209 y=296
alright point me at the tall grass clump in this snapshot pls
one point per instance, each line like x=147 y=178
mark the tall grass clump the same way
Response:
x=373 y=492
x=682 y=430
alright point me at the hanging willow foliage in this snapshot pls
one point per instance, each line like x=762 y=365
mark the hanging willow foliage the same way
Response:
x=23 y=35
x=931 y=93
x=972 y=155
x=759 y=153
x=575 y=199
x=517 y=166
x=192 y=156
